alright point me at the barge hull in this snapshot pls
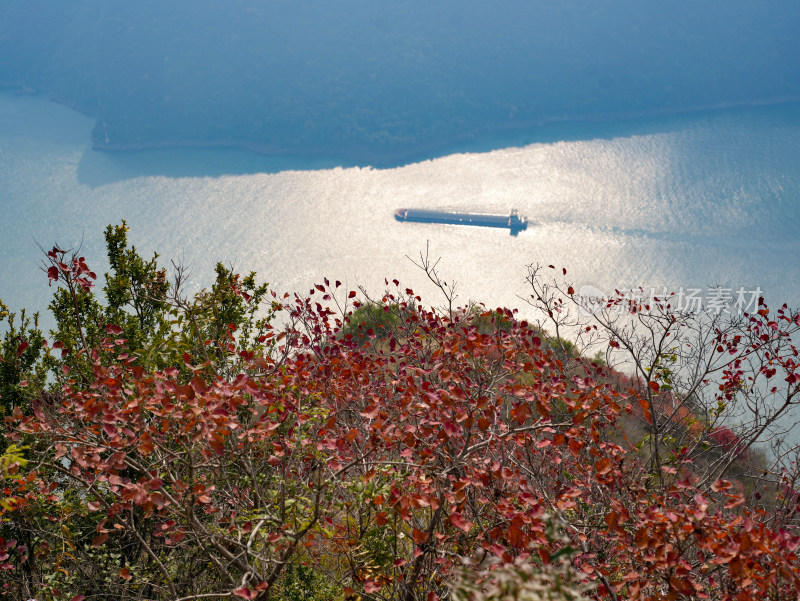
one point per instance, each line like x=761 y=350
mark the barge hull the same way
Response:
x=512 y=221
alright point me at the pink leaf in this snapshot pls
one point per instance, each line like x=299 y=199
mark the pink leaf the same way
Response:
x=99 y=539
x=52 y=274
x=245 y=593
x=370 y=412
x=459 y=521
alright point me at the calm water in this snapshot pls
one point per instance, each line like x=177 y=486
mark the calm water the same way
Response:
x=681 y=201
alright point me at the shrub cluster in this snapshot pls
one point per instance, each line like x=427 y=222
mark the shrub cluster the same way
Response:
x=241 y=444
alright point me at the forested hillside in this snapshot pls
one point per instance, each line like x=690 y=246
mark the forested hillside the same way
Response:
x=378 y=83
x=240 y=444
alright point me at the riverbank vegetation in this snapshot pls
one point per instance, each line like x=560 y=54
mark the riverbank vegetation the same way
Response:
x=237 y=443
x=383 y=84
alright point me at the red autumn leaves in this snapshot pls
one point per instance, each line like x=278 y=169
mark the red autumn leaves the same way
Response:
x=393 y=460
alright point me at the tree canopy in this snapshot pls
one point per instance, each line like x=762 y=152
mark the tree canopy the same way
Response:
x=241 y=444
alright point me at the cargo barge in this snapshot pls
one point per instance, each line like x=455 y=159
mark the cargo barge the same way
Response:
x=512 y=221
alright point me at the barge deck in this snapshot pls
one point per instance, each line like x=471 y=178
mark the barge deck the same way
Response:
x=512 y=221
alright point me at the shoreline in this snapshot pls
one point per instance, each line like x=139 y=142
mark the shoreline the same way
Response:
x=379 y=158
x=483 y=138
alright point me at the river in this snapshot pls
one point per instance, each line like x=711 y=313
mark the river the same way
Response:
x=688 y=201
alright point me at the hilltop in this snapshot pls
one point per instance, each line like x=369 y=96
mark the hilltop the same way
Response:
x=162 y=446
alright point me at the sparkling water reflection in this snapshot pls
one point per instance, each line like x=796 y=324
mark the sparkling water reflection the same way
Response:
x=685 y=201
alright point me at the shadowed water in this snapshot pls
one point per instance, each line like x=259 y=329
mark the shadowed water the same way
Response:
x=693 y=200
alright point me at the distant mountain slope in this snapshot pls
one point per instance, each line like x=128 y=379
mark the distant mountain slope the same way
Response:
x=379 y=81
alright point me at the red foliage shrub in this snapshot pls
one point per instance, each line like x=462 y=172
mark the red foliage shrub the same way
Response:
x=384 y=464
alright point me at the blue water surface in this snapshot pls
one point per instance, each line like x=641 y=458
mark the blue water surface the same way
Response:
x=688 y=200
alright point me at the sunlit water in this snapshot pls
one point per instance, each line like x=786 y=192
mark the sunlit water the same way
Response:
x=680 y=202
